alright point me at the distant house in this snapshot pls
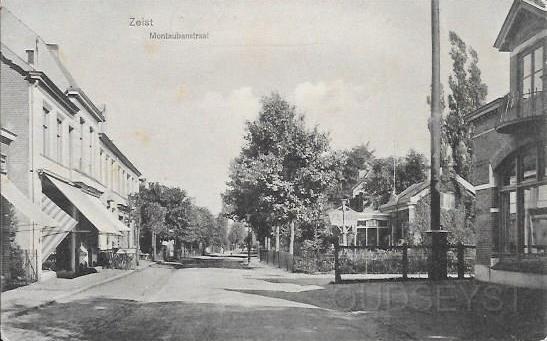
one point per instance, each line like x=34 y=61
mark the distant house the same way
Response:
x=367 y=228
x=402 y=208
x=510 y=157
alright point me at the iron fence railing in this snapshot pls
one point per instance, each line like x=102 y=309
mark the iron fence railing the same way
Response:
x=401 y=261
x=520 y=107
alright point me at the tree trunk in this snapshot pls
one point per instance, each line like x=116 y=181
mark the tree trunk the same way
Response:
x=277 y=238
x=291 y=242
x=153 y=245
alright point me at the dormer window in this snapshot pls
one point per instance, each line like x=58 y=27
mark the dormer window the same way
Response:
x=532 y=71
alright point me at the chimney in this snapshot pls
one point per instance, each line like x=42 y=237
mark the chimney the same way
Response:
x=54 y=48
x=30 y=56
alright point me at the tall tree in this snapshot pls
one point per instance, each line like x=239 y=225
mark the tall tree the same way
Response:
x=467 y=93
x=282 y=172
x=354 y=162
x=392 y=174
x=237 y=234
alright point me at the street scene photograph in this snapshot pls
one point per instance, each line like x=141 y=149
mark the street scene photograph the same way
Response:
x=273 y=170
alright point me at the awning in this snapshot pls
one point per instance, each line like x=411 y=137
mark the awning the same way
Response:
x=91 y=208
x=23 y=204
x=53 y=236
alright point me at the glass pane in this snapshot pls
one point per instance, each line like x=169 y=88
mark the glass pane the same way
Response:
x=542 y=196
x=545 y=162
x=527 y=65
x=510 y=229
x=538 y=59
x=529 y=164
x=535 y=219
x=538 y=81
x=526 y=86
x=510 y=173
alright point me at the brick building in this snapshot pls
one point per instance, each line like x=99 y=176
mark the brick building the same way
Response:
x=70 y=182
x=510 y=158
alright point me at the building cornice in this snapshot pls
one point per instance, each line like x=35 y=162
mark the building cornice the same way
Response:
x=86 y=102
x=43 y=80
x=112 y=147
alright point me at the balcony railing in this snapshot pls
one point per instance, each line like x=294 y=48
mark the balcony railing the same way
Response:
x=521 y=109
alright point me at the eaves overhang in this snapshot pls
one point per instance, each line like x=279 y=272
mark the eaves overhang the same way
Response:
x=43 y=80
x=86 y=102
x=112 y=147
x=530 y=6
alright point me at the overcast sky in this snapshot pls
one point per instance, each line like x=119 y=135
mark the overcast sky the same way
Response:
x=360 y=69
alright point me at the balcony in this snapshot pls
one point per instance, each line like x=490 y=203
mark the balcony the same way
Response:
x=521 y=112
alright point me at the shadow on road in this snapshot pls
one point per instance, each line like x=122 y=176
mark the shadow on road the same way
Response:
x=112 y=319
x=463 y=310
x=198 y=262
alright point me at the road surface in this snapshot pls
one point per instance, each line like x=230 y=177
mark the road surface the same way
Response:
x=166 y=302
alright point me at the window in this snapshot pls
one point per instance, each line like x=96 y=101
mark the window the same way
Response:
x=523 y=202
x=529 y=164
x=45 y=132
x=532 y=71
x=112 y=178
x=101 y=157
x=544 y=162
x=82 y=146
x=509 y=172
x=59 y=140
x=106 y=172
x=448 y=201
x=70 y=146
x=91 y=159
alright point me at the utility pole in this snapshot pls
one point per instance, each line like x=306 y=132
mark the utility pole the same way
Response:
x=437 y=269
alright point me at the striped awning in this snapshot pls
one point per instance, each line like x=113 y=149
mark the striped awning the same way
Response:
x=52 y=236
x=23 y=204
x=91 y=208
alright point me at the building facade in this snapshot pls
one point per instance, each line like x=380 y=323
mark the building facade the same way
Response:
x=510 y=158
x=402 y=208
x=62 y=161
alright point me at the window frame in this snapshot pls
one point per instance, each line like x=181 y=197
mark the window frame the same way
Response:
x=518 y=187
x=59 y=140
x=45 y=131
x=531 y=51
